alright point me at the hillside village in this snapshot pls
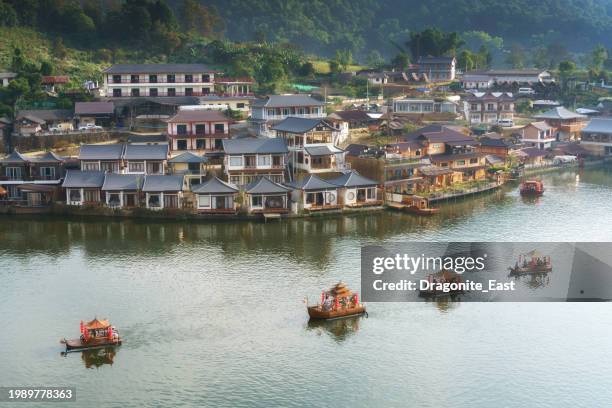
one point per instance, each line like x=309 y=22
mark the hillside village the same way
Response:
x=188 y=138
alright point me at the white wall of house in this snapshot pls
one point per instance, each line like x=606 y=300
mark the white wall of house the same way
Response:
x=349 y=195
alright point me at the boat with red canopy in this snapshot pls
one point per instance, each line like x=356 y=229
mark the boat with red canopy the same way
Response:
x=531 y=263
x=337 y=303
x=532 y=188
x=94 y=334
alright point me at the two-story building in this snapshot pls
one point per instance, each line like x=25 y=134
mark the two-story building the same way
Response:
x=18 y=171
x=489 y=107
x=597 y=137
x=249 y=158
x=485 y=79
x=198 y=130
x=538 y=134
x=153 y=80
x=125 y=159
x=189 y=165
x=269 y=111
x=423 y=106
x=567 y=124
x=437 y=69
x=312 y=144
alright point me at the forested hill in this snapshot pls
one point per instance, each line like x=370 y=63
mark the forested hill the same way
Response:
x=323 y=26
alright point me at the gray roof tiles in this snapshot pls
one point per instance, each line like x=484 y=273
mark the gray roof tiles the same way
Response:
x=118 y=182
x=255 y=146
x=146 y=152
x=300 y=125
x=101 y=152
x=353 y=179
x=158 y=69
x=321 y=150
x=214 y=186
x=14 y=157
x=281 y=101
x=598 y=125
x=264 y=185
x=312 y=182
x=161 y=183
x=94 y=108
x=560 y=112
x=188 y=157
x=46 y=115
x=83 y=179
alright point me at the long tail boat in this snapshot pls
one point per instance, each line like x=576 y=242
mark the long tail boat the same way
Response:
x=420 y=206
x=337 y=303
x=94 y=334
x=531 y=263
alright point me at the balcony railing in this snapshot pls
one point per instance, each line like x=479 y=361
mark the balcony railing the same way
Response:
x=159 y=81
x=199 y=134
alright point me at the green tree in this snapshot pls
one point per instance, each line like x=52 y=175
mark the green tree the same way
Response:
x=599 y=55
x=8 y=15
x=434 y=42
x=516 y=57
x=375 y=60
x=401 y=61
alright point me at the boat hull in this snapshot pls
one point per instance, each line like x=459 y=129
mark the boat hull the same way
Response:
x=422 y=211
x=316 y=312
x=77 y=344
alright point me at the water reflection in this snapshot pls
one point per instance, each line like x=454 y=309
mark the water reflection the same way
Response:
x=338 y=329
x=96 y=358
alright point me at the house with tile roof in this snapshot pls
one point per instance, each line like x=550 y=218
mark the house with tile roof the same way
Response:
x=489 y=107
x=567 y=124
x=264 y=196
x=272 y=109
x=538 y=134
x=247 y=159
x=215 y=196
x=198 y=130
x=597 y=137
x=312 y=144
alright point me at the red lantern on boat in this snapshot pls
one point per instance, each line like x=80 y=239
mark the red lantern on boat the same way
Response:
x=110 y=333
x=356 y=299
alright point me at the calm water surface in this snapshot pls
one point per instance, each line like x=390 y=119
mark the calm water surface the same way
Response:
x=213 y=314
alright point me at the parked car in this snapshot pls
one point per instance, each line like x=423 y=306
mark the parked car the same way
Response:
x=526 y=91
x=505 y=122
x=90 y=126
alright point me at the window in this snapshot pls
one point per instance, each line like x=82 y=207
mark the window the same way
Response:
x=171 y=91
x=153 y=92
x=219 y=128
x=263 y=160
x=135 y=92
x=47 y=173
x=249 y=161
x=75 y=195
x=188 y=78
x=154 y=201
x=181 y=129
x=114 y=200
x=134 y=79
x=205 y=78
x=181 y=144
x=188 y=91
x=153 y=79
x=117 y=79
x=136 y=167
x=90 y=166
x=490 y=107
x=240 y=105
x=91 y=196
x=218 y=144
x=460 y=162
x=203 y=201
x=117 y=92
x=193 y=167
x=170 y=78
x=200 y=144
x=235 y=180
x=235 y=160
x=154 y=168
x=109 y=166
x=171 y=201
x=256 y=201
x=474 y=107
x=205 y=91
x=473 y=161
x=277 y=161
x=200 y=129
x=372 y=193
x=13 y=173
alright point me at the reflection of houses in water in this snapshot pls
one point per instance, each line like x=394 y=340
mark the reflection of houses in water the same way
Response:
x=339 y=329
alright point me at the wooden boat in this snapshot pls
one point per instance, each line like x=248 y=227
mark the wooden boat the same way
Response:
x=531 y=263
x=531 y=188
x=94 y=334
x=442 y=277
x=419 y=205
x=337 y=303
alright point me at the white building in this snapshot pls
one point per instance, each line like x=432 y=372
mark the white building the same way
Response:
x=486 y=79
x=272 y=109
x=423 y=106
x=135 y=80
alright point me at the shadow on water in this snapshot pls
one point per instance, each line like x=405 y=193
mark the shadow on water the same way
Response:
x=339 y=330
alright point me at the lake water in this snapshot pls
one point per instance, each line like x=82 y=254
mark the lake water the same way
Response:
x=212 y=313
